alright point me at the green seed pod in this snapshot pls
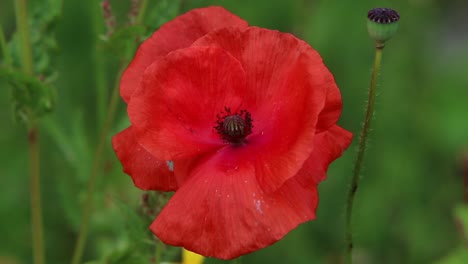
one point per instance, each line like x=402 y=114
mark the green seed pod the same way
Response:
x=382 y=24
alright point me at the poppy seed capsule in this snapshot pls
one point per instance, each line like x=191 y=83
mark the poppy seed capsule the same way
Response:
x=234 y=126
x=382 y=24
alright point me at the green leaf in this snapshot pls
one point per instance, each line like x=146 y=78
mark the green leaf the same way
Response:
x=32 y=98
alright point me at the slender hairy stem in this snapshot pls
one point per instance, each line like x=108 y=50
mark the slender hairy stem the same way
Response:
x=3 y=47
x=22 y=23
x=98 y=155
x=360 y=154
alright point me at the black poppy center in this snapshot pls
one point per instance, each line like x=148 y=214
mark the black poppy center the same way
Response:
x=233 y=127
x=383 y=15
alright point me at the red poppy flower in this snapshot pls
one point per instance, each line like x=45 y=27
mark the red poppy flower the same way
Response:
x=239 y=121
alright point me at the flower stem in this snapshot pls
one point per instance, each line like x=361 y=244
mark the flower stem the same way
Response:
x=3 y=47
x=360 y=154
x=35 y=188
x=88 y=206
x=21 y=13
x=100 y=80
x=141 y=13
x=22 y=23
x=111 y=109
x=158 y=252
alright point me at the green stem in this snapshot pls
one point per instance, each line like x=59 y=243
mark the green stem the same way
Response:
x=3 y=46
x=98 y=155
x=101 y=84
x=35 y=188
x=22 y=23
x=21 y=12
x=141 y=13
x=158 y=252
x=101 y=87
x=360 y=154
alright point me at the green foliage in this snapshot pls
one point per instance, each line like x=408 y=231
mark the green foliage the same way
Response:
x=43 y=42
x=138 y=245
x=32 y=98
x=74 y=147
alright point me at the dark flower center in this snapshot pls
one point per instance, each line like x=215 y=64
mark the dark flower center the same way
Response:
x=383 y=15
x=233 y=127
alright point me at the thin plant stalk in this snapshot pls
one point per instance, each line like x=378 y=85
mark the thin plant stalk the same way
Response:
x=158 y=252
x=101 y=84
x=36 y=208
x=98 y=155
x=141 y=12
x=21 y=14
x=3 y=47
x=360 y=154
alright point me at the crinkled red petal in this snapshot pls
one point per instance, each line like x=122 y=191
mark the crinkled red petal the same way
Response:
x=147 y=172
x=222 y=211
x=174 y=111
x=328 y=146
x=332 y=109
x=176 y=34
x=289 y=85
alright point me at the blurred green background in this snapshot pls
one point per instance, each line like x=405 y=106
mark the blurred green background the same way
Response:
x=404 y=212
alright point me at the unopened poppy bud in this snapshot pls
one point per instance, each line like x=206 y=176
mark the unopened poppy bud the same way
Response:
x=382 y=24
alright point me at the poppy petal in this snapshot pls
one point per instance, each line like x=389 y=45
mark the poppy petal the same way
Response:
x=328 y=146
x=288 y=86
x=176 y=34
x=331 y=112
x=224 y=213
x=147 y=172
x=174 y=112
